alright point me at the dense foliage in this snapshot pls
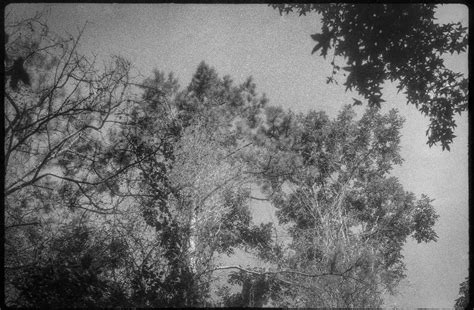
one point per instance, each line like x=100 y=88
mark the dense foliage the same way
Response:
x=374 y=43
x=126 y=193
x=347 y=218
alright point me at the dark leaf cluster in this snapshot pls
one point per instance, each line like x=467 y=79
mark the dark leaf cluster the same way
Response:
x=395 y=42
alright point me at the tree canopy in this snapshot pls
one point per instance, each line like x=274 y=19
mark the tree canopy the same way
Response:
x=128 y=193
x=346 y=217
x=402 y=43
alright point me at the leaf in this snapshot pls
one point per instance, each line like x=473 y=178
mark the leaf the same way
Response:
x=316 y=48
x=317 y=37
x=350 y=81
x=323 y=42
x=357 y=102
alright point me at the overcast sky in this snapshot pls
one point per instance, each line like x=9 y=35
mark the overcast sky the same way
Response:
x=254 y=40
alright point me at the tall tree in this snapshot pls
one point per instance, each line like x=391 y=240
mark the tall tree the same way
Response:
x=345 y=217
x=55 y=111
x=193 y=190
x=395 y=42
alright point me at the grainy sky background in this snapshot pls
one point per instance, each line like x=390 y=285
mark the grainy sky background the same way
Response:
x=254 y=40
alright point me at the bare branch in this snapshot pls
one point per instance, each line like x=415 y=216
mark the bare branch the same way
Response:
x=21 y=224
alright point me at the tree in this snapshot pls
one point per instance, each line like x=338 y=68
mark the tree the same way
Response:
x=395 y=42
x=345 y=217
x=68 y=103
x=189 y=184
x=56 y=105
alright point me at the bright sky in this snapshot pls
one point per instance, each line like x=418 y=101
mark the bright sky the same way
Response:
x=254 y=40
